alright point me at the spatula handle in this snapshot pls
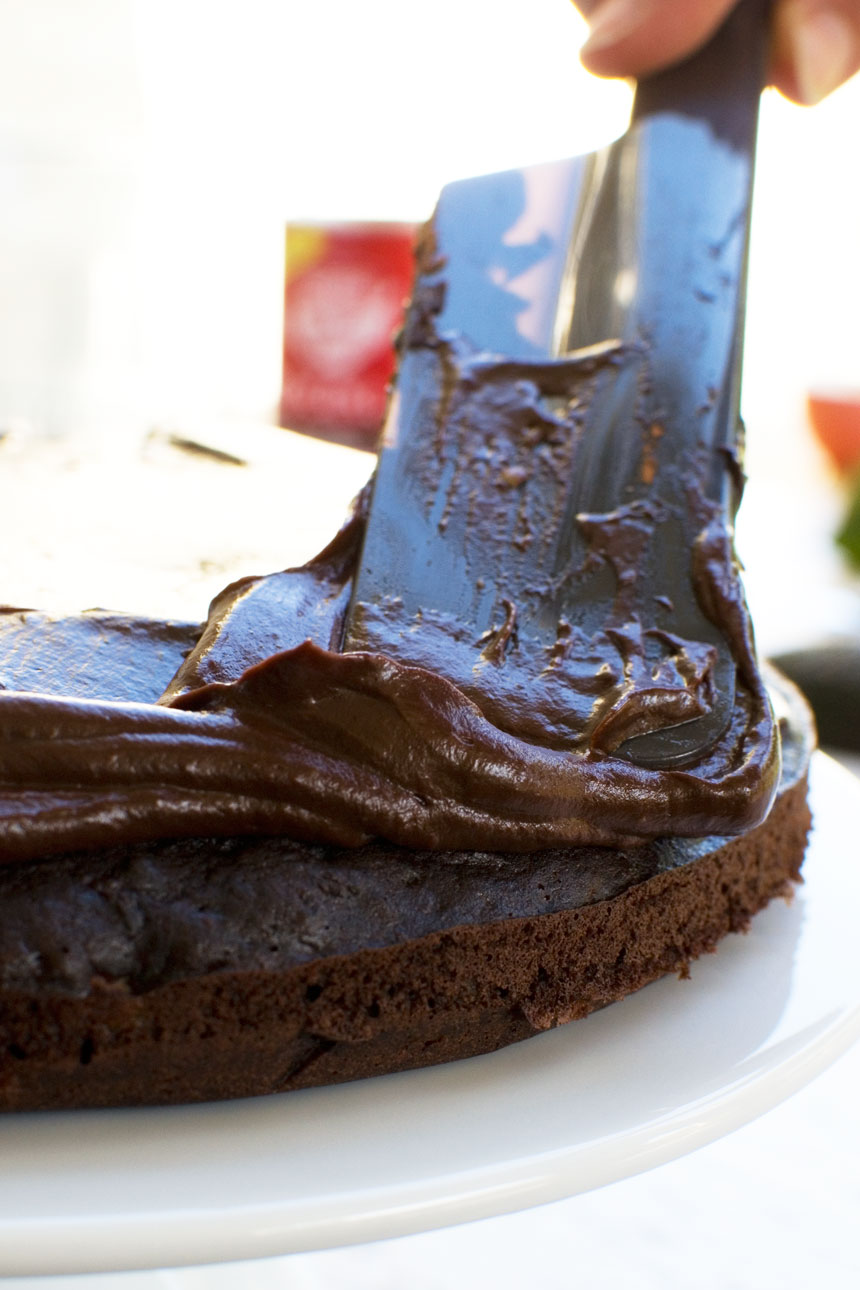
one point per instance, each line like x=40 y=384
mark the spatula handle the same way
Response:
x=721 y=82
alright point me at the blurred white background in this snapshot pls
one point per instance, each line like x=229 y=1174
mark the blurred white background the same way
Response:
x=152 y=150
x=150 y=154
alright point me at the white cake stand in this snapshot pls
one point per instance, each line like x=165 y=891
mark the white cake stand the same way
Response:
x=641 y=1083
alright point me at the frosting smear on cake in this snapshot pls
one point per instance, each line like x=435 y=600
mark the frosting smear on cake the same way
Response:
x=268 y=728
x=565 y=658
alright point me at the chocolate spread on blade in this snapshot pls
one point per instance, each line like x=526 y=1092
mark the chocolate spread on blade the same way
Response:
x=484 y=718
x=268 y=729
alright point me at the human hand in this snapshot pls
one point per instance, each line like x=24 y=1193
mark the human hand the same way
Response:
x=815 y=47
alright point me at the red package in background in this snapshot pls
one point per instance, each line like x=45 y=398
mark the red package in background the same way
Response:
x=346 y=287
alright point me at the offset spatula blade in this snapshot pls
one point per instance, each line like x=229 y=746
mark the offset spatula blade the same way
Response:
x=560 y=460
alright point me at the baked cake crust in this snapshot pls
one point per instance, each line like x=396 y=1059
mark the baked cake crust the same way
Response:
x=199 y=970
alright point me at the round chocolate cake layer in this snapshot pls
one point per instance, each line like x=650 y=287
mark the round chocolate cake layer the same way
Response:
x=196 y=970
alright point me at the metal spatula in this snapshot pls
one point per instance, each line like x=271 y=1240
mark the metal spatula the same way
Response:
x=565 y=433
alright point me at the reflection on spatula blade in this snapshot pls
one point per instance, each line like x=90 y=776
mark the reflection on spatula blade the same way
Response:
x=561 y=453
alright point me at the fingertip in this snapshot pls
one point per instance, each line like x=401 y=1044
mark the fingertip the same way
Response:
x=816 y=48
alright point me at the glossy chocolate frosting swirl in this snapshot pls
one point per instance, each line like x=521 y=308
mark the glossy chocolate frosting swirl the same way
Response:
x=268 y=728
x=471 y=709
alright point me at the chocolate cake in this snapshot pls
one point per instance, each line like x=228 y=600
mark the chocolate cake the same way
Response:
x=184 y=970
x=237 y=860
x=500 y=755
x=174 y=970
x=187 y=971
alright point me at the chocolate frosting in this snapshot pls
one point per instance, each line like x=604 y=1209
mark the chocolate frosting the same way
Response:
x=522 y=693
x=268 y=729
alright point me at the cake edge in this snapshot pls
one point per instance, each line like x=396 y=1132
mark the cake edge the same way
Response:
x=448 y=995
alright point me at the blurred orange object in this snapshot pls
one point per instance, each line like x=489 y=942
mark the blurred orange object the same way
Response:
x=835 y=418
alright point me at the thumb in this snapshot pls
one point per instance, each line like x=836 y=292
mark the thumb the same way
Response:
x=634 y=37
